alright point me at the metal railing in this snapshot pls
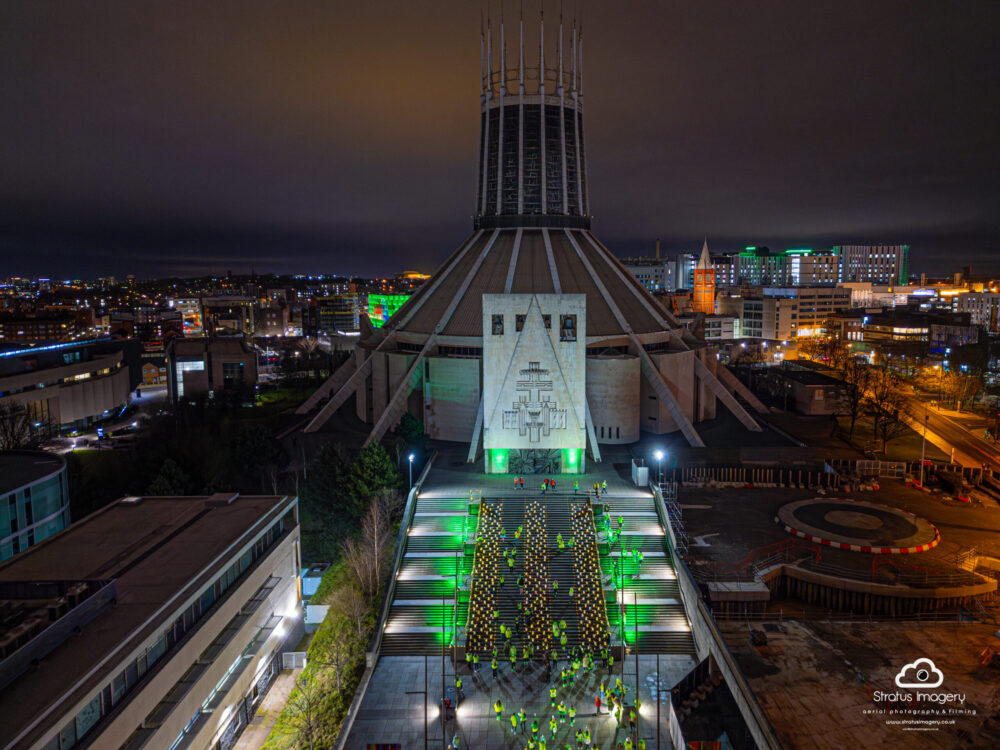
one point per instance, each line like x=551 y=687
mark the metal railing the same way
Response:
x=375 y=645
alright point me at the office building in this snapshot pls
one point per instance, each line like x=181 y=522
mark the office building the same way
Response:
x=879 y=264
x=815 y=305
x=982 y=307
x=156 y=622
x=761 y=266
x=809 y=267
x=210 y=367
x=70 y=385
x=44 y=326
x=34 y=499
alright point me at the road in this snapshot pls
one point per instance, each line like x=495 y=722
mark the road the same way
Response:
x=970 y=449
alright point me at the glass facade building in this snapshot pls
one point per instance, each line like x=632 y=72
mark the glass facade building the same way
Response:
x=34 y=499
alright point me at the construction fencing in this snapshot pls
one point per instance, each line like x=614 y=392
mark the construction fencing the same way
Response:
x=762 y=476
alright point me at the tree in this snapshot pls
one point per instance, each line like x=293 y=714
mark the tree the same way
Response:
x=349 y=601
x=372 y=471
x=883 y=384
x=169 y=480
x=16 y=428
x=856 y=376
x=891 y=424
x=258 y=456
x=410 y=429
x=303 y=714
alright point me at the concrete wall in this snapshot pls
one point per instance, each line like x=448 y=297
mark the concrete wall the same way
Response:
x=613 y=394
x=451 y=397
x=678 y=370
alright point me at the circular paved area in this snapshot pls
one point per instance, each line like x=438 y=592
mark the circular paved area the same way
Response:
x=858 y=526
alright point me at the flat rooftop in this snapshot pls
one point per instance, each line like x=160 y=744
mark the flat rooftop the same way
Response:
x=19 y=468
x=155 y=548
x=808 y=377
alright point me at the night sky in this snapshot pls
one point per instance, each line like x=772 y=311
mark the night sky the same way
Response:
x=306 y=137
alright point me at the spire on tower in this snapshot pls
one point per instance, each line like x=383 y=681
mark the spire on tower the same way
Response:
x=705 y=261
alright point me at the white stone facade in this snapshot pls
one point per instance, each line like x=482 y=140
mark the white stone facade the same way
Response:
x=534 y=371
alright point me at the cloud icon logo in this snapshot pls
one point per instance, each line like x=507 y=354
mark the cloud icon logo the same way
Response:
x=920 y=674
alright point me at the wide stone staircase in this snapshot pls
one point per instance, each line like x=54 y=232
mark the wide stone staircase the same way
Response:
x=422 y=614
x=648 y=597
x=448 y=585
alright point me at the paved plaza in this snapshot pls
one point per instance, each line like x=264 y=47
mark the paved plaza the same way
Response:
x=393 y=708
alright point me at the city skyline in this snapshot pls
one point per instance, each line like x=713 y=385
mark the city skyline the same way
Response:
x=208 y=140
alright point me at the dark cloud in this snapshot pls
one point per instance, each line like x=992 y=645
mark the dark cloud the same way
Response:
x=302 y=136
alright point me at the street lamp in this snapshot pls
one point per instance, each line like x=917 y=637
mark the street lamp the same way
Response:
x=411 y=469
x=658 y=455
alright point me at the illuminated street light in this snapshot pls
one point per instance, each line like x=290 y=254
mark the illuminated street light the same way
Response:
x=411 y=469
x=658 y=455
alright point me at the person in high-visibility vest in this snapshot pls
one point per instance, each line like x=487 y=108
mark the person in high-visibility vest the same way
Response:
x=498 y=707
x=494 y=665
x=553 y=726
x=513 y=723
x=534 y=728
x=572 y=715
x=560 y=542
x=522 y=718
x=561 y=708
x=628 y=743
x=586 y=736
x=458 y=688
x=552 y=694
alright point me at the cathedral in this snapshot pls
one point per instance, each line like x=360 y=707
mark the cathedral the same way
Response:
x=532 y=344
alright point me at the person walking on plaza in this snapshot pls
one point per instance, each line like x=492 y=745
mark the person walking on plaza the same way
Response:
x=572 y=715
x=579 y=739
x=494 y=665
x=459 y=693
x=513 y=723
x=604 y=486
x=498 y=707
x=561 y=708
x=521 y=718
x=552 y=695
x=553 y=727
x=534 y=728
x=597 y=702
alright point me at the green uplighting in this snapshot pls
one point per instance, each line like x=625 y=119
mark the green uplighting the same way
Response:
x=498 y=458
x=571 y=460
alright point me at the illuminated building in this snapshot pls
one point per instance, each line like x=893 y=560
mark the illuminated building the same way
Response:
x=381 y=307
x=532 y=339
x=703 y=300
x=879 y=264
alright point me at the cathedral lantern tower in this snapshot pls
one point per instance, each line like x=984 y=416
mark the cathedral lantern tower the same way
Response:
x=532 y=344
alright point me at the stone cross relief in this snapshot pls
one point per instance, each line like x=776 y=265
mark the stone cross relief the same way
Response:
x=535 y=414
